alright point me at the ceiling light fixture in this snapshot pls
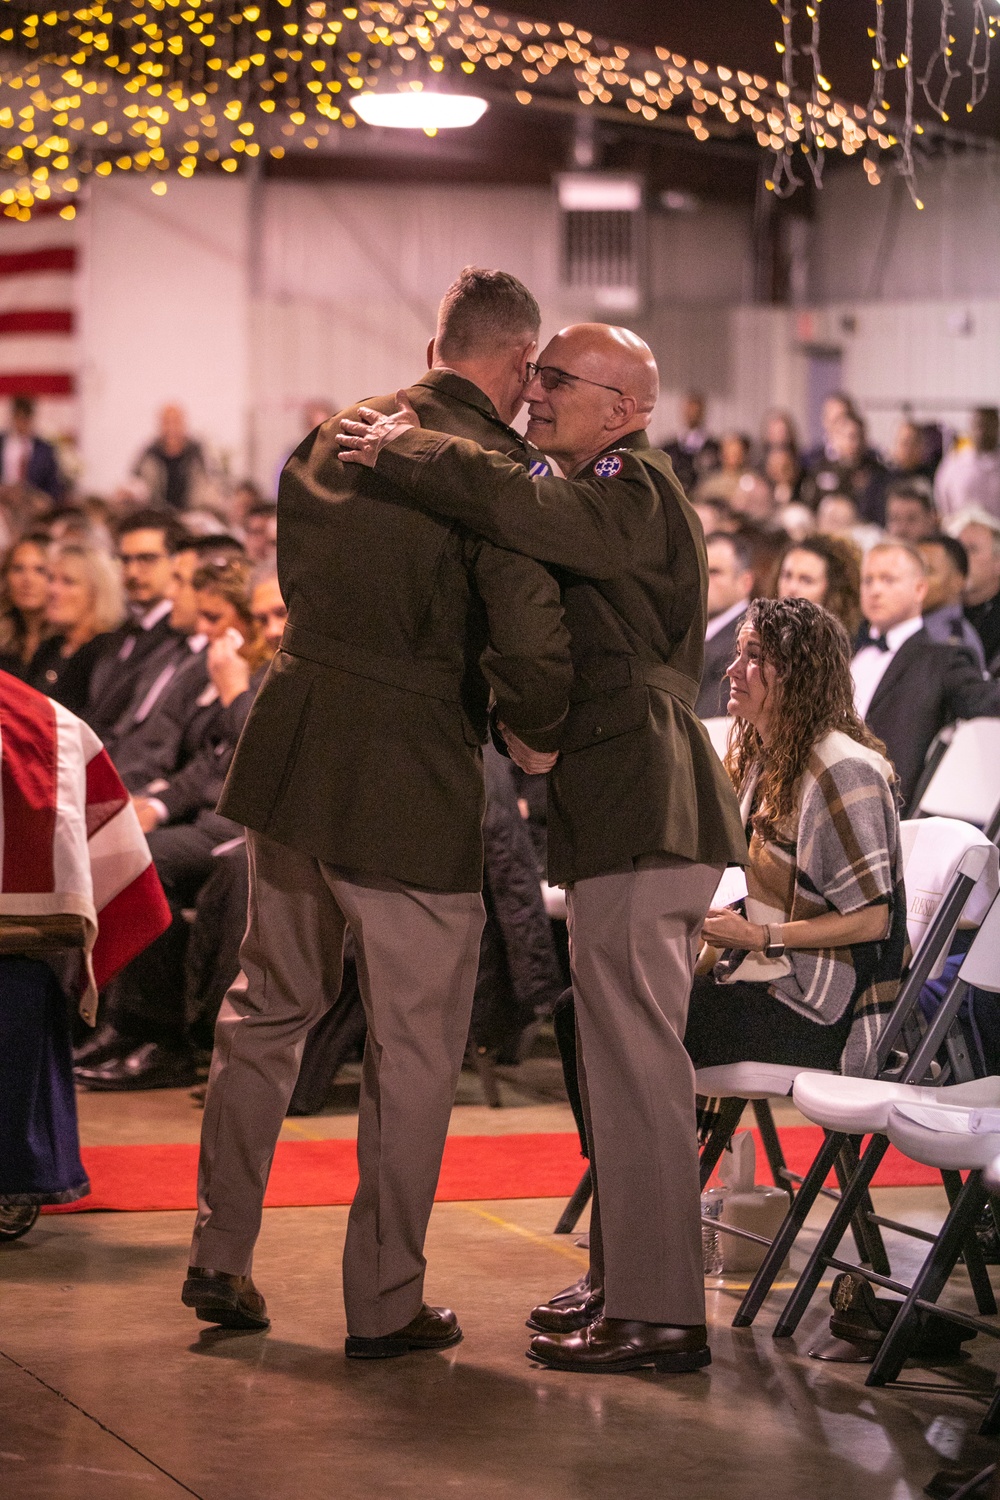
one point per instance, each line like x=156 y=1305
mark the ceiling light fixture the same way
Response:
x=426 y=110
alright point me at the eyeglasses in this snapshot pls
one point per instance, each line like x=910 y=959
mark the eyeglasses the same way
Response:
x=552 y=377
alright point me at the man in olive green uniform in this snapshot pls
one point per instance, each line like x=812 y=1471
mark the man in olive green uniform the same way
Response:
x=359 y=779
x=642 y=818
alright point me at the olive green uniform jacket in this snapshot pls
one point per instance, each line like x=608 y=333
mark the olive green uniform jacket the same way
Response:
x=638 y=774
x=363 y=746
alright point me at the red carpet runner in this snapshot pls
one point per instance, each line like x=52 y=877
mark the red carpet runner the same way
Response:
x=476 y=1167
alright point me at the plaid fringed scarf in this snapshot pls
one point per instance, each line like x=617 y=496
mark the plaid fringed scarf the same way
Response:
x=841 y=853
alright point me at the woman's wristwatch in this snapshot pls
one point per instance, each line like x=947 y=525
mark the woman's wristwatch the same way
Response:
x=772 y=948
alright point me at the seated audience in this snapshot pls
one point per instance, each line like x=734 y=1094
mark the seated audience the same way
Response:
x=837 y=515
x=143 y=1042
x=84 y=607
x=785 y=475
x=174 y=705
x=947 y=564
x=766 y=549
x=24 y=593
x=910 y=458
x=734 y=462
x=730 y=582
x=979 y=533
x=807 y=975
x=970 y=473
x=715 y=515
x=693 y=453
x=796 y=520
x=906 y=686
x=854 y=469
x=910 y=515
x=147 y=541
x=778 y=430
x=825 y=570
x=834 y=408
x=753 y=501
x=260 y=527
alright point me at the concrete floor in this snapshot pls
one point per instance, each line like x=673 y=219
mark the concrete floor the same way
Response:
x=111 y=1390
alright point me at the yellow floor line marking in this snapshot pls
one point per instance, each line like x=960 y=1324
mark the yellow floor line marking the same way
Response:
x=569 y=1252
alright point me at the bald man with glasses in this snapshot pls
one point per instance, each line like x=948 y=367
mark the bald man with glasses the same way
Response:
x=642 y=818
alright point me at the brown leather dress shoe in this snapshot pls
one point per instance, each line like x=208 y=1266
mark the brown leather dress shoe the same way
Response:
x=566 y=1317
x=610 y=1346
x=432 y=1328
x=219 y=1297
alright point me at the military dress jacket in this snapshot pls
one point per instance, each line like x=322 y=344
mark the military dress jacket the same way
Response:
x=637 y=774
x=363 y=746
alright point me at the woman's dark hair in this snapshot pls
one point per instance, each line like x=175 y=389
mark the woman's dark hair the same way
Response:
x=843 y=576
x=13 y=626
x=810 y=655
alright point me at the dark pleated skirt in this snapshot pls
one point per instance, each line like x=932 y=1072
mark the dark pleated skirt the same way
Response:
x=39 y=1141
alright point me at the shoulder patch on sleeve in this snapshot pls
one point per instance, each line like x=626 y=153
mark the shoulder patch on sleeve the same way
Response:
x=539 y=469
x=608 y=466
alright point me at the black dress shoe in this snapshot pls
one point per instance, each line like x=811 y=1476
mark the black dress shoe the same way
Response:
x=565 y=1316
x=106 y=1042
x=432 y=1328
x=219 y=1297
x=611 y=1346
x=151 y=1066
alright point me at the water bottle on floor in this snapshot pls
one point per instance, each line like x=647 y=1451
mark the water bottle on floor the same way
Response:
x=712 y=1200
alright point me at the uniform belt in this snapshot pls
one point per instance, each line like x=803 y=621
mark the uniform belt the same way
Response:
x=409 y=674
x=613 y=674
x=677 y=684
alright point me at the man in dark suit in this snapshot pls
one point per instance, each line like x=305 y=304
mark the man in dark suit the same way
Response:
x=906 y=686
x=26 y=459
x=147 y=542
x=730 y=582
x=359 y=778
x=642 y=818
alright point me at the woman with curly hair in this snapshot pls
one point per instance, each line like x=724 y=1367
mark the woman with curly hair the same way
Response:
x=809 y=972
x=827 y=570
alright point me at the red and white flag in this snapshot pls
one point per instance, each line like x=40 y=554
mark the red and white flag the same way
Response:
x=39 y=352
x=70 y=841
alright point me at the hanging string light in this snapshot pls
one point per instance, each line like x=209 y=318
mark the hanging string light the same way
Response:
x=170 y=87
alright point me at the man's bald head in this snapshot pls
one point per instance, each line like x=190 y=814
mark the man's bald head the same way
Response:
x=594 y=385
x=619 y=356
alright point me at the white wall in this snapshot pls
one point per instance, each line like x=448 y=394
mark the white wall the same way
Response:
x=348 y=280
x=164 y=318
x=246 y=300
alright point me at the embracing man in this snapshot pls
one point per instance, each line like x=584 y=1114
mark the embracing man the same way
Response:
x=642 y=818
x=359 y=778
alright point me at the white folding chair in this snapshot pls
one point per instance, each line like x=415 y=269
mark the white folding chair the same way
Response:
x=965 y=782
x=847 y=1107
x=718 y=732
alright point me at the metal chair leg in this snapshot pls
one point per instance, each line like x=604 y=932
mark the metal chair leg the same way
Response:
x=975 y=1262
x=832 y=1235
x=730 y=1114
x=867 y=1236
x=772 y=1145
x=577 y=1203
x=809 y=1191
x=931 y=1278
x=990 y=1425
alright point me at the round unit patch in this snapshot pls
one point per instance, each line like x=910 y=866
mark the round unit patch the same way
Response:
x=608 y=466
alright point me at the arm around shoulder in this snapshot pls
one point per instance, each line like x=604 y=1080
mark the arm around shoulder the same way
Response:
x=527 y=661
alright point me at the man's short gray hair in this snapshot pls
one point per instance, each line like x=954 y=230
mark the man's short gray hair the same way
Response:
x=483 y=310
x=974 y=515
